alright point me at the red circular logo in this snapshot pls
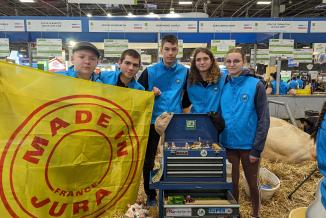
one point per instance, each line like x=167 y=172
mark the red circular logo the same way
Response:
x=74 y=156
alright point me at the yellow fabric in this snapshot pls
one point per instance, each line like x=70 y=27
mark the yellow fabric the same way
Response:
x=69 y=147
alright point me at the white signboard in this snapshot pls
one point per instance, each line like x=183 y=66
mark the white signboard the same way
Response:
x=119 y=2
x=12 y=25
x=281 y=26
x=178 y=212
x=226 y=26
x=114 y=47
x=319 y=48
x=285 y=75
x=318 y=27
x=141 y=26
x=4 y=47
x=220 y=47
x=281 y=47
x=49 y=47
x=145 y=58
x=303 y=55
x=262 y=56
x=54 y=25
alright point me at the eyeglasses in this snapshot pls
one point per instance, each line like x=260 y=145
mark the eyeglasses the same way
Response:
x=235 y=61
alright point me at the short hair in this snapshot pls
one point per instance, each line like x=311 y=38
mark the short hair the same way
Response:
x=130 y=52
x=169 y=38
x=213 y=72
x=239 y=51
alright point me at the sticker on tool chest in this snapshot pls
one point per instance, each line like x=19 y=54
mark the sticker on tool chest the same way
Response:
x=190 y=124
x=178 y=212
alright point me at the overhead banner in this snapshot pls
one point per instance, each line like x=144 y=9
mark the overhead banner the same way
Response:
x=254 y=26
x=281 y=26
x=318 y=27
x=49 y=47
x=4 y=47
x=226 y=26
x=12 y=25
x=142 y=26
x=118 y=2
x=281 y=47
x=262 y=56
x=220 y=47
x=69 y=147
x=114 y=47
x=54 y=25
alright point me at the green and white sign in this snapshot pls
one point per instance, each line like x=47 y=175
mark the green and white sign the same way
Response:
x=49 y=47
x=319 y=48
x=303 y=55
x=114 y=47
x=285 y=75
x=262 y=56
x=220 y=47
x=281 y=47
x=4 y=47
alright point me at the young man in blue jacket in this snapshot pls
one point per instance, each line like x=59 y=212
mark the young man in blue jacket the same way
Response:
x=168 y=80
x=85 y=57
x=129 y=64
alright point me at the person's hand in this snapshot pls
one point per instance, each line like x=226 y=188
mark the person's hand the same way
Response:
x=157 y=91
x=253 y=159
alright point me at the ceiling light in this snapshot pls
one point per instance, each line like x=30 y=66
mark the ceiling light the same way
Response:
x=185 y=3
x=72 y=43
x=306 y=47
x=263 y=2
x=89 y=15
x=151 y=14
x=130 y=14
x=109 y=15
x=27 y=1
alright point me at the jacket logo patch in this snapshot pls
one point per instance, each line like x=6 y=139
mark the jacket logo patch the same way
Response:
x=178 y=81
x=216 y=89
x=244 y=98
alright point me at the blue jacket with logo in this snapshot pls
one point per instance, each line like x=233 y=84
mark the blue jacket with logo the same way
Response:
x=206 y=99
x=284 y=88
x=72 y=73
x=112 y=78
x=321 y=157
x=293 y=84
x=244 y=108
x=170 y=81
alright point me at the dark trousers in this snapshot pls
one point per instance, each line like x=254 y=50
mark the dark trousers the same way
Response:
x=251 y=171
x=153 y=140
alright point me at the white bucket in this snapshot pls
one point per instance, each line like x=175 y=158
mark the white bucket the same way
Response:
x=266 y=192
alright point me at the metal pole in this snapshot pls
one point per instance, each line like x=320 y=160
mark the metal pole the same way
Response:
x=255 y=55
x=278 y=73
x=296 y=188
x=287 y=109
x=275 y=12
x=29 y=50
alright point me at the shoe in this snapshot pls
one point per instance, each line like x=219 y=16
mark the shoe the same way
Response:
x=151 y=202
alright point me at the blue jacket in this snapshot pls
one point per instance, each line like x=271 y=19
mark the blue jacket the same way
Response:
x=321 y=158
x=72 y=73
x=300 y=83
x=206 y=99
x=293 y=84
x=284 y=87
x=171 y=81
x=239 y=112
x=112 y=78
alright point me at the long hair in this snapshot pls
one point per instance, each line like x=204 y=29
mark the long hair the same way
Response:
x=213 y=72
x=320 y=119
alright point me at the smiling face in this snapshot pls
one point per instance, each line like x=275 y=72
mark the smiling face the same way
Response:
x=169 y=52
x=203 y=62
x=234 y=63
x=85 y=62
x=129 y=66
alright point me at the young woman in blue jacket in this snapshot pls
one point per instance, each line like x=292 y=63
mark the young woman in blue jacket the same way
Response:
x=205 y=83
x=244 y=108
x=318 y=208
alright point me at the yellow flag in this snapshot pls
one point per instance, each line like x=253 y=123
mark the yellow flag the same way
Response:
x=69 y=147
